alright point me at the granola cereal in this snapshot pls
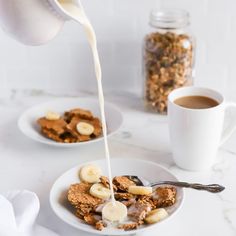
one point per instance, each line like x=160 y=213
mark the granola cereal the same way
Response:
x=78 y=194
x=129 y=202
x=92 y=219
x=122 y=183
x=100 y=225
x=64 y=129
x=141 y=209
x=166 y=196
x=84 y=209
x=78 y=112
x=147 y=200
x=79 y=215
x=138 y=211
x=124 y=196
x=55 y=126
x=128 y=226
x=71 y=128
x=105 y=181
x=168 y=64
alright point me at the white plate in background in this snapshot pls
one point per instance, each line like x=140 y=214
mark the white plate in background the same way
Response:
x=148 y=170
x=27 y=122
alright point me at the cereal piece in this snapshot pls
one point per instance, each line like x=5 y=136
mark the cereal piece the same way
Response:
x=71 y=127
x=147 y=200
x=165 y=196
x=79 y=215
x=124 y=196
x=80 y=113
x=53 y=129
x=129 y=202
x=68 y=138
x=128 y=226
x=55 y=126
x=92 y=219
x=83 y=138
x=100 y=225
x=122 y=183
x=51 y=135
x=138 y=211
x=105 y=181
x=84 y=209
x=97 y=126
x=79 y=194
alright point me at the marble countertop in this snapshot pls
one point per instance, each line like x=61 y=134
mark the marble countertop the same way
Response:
x=26 y=164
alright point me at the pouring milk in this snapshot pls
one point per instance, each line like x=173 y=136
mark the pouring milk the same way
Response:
x=112 y=211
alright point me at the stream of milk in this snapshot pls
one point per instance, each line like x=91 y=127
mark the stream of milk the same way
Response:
x=79 y=15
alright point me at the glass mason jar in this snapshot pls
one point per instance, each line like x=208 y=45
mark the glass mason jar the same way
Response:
x=168 y=57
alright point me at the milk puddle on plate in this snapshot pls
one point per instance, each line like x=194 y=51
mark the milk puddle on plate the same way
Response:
x=79 y=15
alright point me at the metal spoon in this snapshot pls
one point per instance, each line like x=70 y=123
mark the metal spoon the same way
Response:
x=213 y=188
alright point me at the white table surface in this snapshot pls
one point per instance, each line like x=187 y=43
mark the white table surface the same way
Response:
x=26 y=164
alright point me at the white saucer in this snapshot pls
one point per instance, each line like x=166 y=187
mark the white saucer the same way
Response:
x=27 y=122
x=149 y=170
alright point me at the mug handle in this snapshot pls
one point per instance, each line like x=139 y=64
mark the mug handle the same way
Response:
x=229 y=130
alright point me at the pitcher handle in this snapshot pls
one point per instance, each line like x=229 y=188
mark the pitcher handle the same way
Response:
x=231 y=127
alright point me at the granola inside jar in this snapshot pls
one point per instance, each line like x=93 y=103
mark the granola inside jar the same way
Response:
x=168 y=57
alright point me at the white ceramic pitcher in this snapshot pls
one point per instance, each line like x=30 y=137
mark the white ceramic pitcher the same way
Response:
x=32 y=22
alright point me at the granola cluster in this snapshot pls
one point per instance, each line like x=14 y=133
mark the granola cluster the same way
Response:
x=64 y=128
x=168 y=63
x=89 y=208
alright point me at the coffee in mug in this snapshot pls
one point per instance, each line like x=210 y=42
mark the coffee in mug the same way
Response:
x=196 y=102
x=196 y=119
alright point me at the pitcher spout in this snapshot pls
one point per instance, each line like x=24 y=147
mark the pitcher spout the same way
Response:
x=59 y=6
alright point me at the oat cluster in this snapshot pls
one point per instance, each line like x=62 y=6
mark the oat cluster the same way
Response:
x=168 y=63
x=89 y=208
x=64 y=130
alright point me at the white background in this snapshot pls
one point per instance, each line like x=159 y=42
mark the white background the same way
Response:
x=65 y=64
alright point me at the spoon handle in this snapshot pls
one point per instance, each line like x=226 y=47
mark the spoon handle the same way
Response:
x=213 y=188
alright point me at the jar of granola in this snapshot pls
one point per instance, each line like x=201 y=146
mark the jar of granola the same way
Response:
x=168 y=57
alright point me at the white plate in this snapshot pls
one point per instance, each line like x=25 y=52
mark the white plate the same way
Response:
x=149 y=170
x=27 y=122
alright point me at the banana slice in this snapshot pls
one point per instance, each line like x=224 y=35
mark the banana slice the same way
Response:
x=114 y=212
x=140 y=190
x=50 y=115
x=84 y=128
x=156 y=215
x=98 y=190
x=90 y=174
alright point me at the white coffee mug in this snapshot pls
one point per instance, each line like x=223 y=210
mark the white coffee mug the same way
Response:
x=196 y=134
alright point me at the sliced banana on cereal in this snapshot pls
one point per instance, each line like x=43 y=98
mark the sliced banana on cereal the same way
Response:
x=90 y=174
x=114 y=211
x=156 y=215
x=140 y=190
x=98 y=190
x=50 y=115
x=84 y=128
